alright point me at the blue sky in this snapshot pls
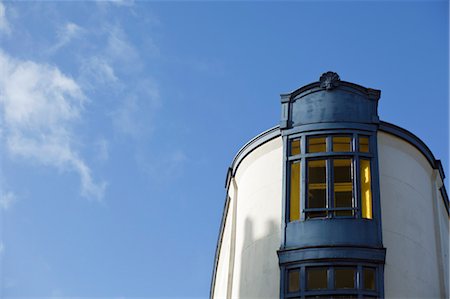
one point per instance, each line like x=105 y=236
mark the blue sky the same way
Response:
x=119 y=120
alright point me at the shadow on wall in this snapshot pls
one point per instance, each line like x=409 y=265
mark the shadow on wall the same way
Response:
x=259 y=272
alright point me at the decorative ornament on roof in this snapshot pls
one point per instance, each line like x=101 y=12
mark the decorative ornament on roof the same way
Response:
x=329 y=80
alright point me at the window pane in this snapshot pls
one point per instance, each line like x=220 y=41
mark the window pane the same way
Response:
x=369 y=279
x=294 y=208
x=317 y=187
x=343 y=187
x=363 y=144
x=366 y=192
x=344 y=278
x=293 y=281
x=295 y=147
x=317 y=144
x=316 y=278
x=342 y=144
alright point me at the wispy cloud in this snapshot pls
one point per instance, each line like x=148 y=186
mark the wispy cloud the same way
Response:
x=4 y=25
x=102 y=148
x=39 y=106
x=65 y=34
x=133 y=116
x=95 y=71
x=120 y=50
x=122 y=2
x=7 y=199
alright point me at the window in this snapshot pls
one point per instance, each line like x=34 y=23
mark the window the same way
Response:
x=330 y=176
x=332 y=281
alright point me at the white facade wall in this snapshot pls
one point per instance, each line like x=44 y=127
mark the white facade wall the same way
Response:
x=410 y=223
x=258 y=182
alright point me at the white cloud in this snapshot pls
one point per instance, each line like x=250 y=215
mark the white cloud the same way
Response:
x=96 y=70
x=4 y=25
x=119 y=49
x=65 y=34
x=39 y=106
x=7 y=199
x=122 y=2
x=102 y=147
x=132 y=118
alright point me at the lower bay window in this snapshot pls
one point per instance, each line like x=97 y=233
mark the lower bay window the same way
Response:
x=331 y=281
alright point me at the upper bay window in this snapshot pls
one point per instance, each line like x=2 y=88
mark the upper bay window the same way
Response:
x=330 y=176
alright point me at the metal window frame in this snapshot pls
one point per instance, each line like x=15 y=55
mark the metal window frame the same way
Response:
x=331 y=290
x=328 y=156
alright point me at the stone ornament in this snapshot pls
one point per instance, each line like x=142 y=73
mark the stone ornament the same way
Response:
x=329 y=80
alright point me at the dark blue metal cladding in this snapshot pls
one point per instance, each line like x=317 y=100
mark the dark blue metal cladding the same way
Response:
x=342 y=102
x=329 y=107
x=339 y=105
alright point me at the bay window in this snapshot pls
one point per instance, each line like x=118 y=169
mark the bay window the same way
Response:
x=329 y=176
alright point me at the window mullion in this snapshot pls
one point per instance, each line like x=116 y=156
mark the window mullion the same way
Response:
x=357 y=186
x=330 y=186
x=330 y=276
x=303 y=182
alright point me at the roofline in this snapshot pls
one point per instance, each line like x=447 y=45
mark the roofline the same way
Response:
x=316 y=86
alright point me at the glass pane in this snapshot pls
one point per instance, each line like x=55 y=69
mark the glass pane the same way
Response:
x=293 y=281
x=344 y=278
x=317 y=187
x=363 y=144
x=366 y=192
x=369 y=279
x=316 y=278
x=342 y=144
x=343 y=186
x=317 y=144
x=295 y=147
x=294 y=208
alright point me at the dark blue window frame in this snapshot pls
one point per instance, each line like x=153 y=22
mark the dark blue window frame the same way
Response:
x=358 y=291
x=355 y=155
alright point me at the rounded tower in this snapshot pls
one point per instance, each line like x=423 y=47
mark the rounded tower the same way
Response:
x=333 y=203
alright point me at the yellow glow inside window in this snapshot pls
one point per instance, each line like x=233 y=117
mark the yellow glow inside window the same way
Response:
x=366 y=191
x=317 y=144
x=295 y=147
x=294 y=281
x=294 y=209
x=316 y=278
x=363 y=144
x=342 y=144
x=343 y=186
x=317 y=187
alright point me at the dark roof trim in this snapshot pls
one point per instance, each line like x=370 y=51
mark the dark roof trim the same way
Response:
x=415 y=141
x=373 y=94
x=423 y=148
x=444 y=197
x=251 y=146
x=219 y=244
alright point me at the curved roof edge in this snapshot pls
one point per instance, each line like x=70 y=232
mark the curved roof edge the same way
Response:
x=415 y=141
x=250 y=146
x=316 y=86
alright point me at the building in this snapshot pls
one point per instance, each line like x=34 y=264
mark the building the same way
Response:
x=333 y=203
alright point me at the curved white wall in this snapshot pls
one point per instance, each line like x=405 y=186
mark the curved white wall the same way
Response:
x=255 y=209
x=414 y=225
x=416 y=244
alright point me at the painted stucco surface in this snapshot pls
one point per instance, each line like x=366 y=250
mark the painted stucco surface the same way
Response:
x=256 y=191
x=409 y=223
